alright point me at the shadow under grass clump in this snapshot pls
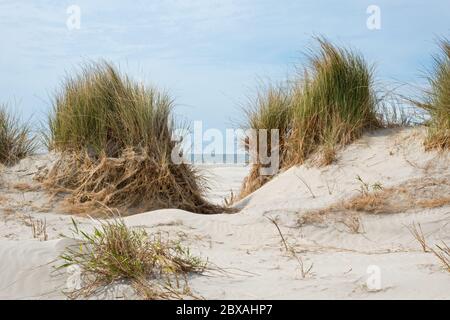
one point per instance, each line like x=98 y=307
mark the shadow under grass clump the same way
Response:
x=115 y=142
x=437 y=101
x=155 y=267
x=330 y=103
x=16 y=141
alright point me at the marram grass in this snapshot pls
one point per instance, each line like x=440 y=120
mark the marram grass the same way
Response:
x=16 y=140
x=115 y=140
x=271 y=109
x=153 y=265
x=329 y=103
x=333 y=102
x=102 y=110
x=437 y=100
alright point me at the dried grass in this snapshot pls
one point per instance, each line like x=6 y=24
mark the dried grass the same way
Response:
x=9 y=211
x=434 y=203
x=230 y=199
x=353 y=223
x=25 y=187
x=132 y=182
x=416 y=231
x=305 y=270
x=373 y=203
x=38 y=228
x=424 y=193
x=155 y=267
x=442 y=252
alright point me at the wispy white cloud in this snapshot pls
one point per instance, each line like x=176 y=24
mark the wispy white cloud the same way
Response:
x=207 y=52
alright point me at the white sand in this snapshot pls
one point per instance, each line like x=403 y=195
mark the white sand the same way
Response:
x=247 y=245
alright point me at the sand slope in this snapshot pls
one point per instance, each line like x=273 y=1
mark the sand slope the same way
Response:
x=246 y=246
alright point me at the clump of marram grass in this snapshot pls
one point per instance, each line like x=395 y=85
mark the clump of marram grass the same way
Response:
x=330 y=103
x=437 y=101
x=115 y=141
x=16 y=141
x=154 y=266
x=270 y=110
x=101 y=110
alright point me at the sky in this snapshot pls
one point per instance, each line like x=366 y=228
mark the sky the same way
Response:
x=209 y=55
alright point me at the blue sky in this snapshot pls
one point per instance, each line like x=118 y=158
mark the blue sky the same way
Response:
x=208 y=54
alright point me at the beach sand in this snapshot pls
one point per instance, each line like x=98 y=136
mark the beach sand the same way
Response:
x=380 y=259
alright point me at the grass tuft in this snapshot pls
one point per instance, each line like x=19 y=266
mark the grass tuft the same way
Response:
x=115 y=141
x=437 y=100
x=417 y=233
x=103 y=111
x=333 y=102
x=329 y=103
x=16 y=141
x=155 y=267
x=269 y=110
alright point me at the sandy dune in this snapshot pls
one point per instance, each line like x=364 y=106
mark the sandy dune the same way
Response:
x=247 y=247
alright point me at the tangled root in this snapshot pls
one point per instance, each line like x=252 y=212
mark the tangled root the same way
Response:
x=134 y=181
